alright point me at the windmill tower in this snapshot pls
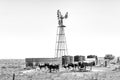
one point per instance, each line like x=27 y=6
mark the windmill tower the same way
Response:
x=61 y=46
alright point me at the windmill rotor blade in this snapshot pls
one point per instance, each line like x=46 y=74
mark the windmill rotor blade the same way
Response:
x=58 y=13
x=66 y=15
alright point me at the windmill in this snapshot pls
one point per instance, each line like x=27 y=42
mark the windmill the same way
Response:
x=61 y=46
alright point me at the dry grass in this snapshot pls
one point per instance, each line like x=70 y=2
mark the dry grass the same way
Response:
x=64 y=76
x=16 y=67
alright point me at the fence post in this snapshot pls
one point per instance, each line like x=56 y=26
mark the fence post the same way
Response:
x=13 y=76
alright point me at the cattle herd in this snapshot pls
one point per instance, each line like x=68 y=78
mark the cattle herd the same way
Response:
x=79 y=65
x=51 y=67
x=55 y=67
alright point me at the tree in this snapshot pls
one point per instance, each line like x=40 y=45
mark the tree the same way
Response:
x=91 y=56
x=95 y=57
x=109 y=57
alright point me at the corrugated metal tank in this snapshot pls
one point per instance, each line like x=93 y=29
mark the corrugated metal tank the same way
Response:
x=78 y=58
x=36 y=61
x=67 y=59
x=30 y=64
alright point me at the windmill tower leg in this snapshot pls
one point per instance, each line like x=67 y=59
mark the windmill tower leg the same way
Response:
x=61 y=46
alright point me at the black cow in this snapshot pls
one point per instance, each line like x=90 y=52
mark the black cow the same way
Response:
x=45 y=65
x=41 y=66
x=71 y=65
x=53 y=67
x=85 y=64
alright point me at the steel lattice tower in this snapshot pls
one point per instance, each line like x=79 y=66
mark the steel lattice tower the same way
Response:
x=61 y=46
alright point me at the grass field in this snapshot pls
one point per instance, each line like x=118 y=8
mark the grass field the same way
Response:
x=8 y=67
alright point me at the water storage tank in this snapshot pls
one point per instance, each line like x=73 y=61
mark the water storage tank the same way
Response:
x=29 y=64
x=71 y=59
x=67 y=59
x=78 y=58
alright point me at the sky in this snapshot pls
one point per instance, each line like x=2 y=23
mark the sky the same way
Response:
x=28 y=27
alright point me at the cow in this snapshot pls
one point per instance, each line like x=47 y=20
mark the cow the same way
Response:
x=84 y=64
x=74 y=66
x=53 y=67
